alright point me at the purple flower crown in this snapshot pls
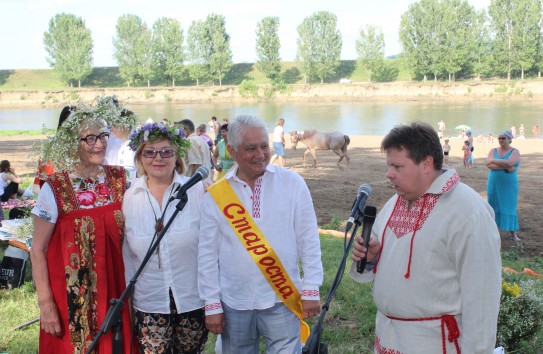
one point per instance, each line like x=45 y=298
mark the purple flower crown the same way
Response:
x=156 y=131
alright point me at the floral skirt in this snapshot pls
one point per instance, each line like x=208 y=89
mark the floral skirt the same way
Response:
x=172 y=333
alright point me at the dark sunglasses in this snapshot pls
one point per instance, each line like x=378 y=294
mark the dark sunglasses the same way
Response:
x=164 y=153
x=502 y=138
x=91 y=139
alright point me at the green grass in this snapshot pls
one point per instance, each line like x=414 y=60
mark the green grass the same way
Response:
x=23 y=132
x=104 y=77
x=348 y=327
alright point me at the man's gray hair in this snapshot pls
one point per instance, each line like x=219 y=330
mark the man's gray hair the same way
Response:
x=239 y=124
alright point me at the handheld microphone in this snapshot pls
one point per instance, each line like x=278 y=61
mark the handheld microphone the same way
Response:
x=200 y=174
x=364 y=191
x=368 y=219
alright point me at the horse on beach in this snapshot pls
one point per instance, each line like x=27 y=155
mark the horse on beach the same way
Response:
x=336 y=141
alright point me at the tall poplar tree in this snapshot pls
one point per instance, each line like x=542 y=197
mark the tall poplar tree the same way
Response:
x=370 y=48
x=267 y=47
x=517 y=35
x=128 y=47
x=168 y=48
x=319 y=45
x=220 y=57
x=198 y=50
x=69 y=46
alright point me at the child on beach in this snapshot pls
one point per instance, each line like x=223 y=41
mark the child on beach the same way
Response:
x=467 y=153
x=446 y=150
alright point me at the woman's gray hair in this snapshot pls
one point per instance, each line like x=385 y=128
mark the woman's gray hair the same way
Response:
x=238 y=126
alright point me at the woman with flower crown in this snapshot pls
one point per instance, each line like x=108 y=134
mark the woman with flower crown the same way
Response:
x=168 y=314
x=76 y=251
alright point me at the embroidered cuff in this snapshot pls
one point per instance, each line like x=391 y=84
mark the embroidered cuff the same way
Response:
x=310 y=294
x=213 y=308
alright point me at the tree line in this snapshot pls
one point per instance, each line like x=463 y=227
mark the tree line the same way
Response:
x=441 y=39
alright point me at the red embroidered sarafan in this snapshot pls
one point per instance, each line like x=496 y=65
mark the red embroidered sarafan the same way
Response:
x=85 y=265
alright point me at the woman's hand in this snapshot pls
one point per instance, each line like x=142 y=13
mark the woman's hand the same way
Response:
x=49 y=318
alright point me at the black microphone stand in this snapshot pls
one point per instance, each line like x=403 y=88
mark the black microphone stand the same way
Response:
x=113 y=318
x=314 y=344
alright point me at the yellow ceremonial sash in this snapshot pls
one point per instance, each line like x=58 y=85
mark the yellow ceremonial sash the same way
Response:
x=259 y=249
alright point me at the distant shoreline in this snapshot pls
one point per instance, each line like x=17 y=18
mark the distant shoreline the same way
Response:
x=355 y=92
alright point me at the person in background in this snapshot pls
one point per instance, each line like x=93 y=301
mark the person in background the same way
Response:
x=221 y=152
x=238 y=267
x=441 y=129
x=168 y=314
x=201 y=132
x=446 y=151
x=279 y=143
x=215 y=129
x=502 y=186
x=123 y=155
x=434 y=254
x=9 y=182
x=469 y=138
x=535 y=131
x=77 y=262
x=467 y=153
x=198 y=154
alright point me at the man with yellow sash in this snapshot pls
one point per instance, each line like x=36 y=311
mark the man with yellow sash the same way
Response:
x=257 y=225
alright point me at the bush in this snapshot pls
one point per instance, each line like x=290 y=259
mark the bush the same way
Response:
x=247 y=89
x=521 y=314
x=386 y=72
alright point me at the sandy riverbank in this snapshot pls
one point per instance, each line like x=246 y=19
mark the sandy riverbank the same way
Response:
x=333 y=189
x=393 y=91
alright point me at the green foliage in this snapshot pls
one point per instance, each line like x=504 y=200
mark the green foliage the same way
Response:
x=336 y=223
x=220 y=55
x=520 y=320
x=132 y=44
x=517 y=35
x=247 y=89
x=69 y=46
x=198 y=47
x=386 y=72
x=167 y=44
x=370 y=48
x=501 y=89
x=319 y=46
x=267 y=47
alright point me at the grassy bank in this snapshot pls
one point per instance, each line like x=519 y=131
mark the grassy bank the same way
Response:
x=104 y=77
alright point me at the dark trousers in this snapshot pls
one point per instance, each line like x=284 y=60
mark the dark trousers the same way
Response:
x=11 y=189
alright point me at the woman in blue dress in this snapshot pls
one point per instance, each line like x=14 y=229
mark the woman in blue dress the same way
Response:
x=502 y=187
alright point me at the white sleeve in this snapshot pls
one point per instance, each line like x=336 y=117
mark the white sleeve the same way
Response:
x=208 y=255
x=308 y=241
x=475 y=251
x=46 y=206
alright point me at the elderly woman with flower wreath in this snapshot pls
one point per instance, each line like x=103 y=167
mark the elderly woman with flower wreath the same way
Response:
x=168 y=314
x=76 y=253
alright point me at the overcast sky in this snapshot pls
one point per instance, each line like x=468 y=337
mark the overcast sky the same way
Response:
x=23 y=22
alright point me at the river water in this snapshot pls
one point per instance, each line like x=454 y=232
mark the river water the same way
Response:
x=355 y=118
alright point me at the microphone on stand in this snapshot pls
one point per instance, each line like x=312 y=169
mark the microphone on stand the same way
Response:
x=367 y=223
x=200 y=174
x=364 y=191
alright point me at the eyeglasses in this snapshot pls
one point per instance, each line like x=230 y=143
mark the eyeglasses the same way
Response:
x=502 y=138
x=164 y=153
x=92 y=138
